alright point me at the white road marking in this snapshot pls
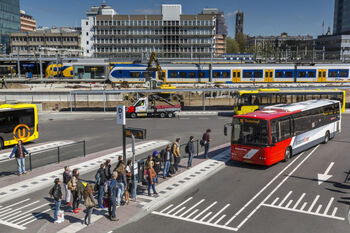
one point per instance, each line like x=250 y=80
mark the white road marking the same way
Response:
x=289 y=203
x=318 y=209
x=28 y=211
x=179 y=210
x=184 y=118
x=299 y=200
x=324 y=176
x=179 y=205
x=276 y=188
x=314 y=202
x=208 y=214
x=205 y=210
x=285 y=198
x=262 y=190
x=303 y=206
x=192 y=213
x=221 y=218
x=334 y=211
x=191 y=208
x=89 y=119
x=203 y=118
x=166 y=208
x=22 y=207
x=212 y=218
x=274 y=202
x=34 y=216
x=328 y=205
x=17 y=203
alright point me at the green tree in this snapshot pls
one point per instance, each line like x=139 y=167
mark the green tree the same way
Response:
x=231 y=45
x=242 y=42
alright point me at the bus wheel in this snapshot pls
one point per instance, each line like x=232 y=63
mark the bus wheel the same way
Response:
x=170 y=114
x=133 y=115
x=287 y=154
x=1 y=144
x=162 y=114
x=326 y=138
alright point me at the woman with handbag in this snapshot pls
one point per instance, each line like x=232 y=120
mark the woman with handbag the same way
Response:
x=89 y=202
x=151 y=176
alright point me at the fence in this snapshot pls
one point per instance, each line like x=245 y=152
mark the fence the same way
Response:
x=45 y=157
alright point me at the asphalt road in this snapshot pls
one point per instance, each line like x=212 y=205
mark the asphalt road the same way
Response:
x=286 y=197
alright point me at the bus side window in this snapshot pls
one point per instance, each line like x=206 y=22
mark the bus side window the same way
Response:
x=285 y=130
x=274 y=131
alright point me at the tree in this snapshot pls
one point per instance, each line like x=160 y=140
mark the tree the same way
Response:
x=242 y=42
x=231 y=45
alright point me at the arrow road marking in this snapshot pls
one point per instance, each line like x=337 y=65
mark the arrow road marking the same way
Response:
x=324 y=177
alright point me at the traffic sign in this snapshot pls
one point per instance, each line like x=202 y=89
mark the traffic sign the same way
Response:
x=121 y=119
x=137 y=132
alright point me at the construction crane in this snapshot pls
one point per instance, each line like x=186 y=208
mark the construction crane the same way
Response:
x=157 y=68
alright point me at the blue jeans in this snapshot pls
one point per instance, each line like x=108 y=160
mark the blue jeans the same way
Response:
x=153 y=187
x=21 y=165
x=206 y=150
x=166 y=168
x=57 y=208
x=112 y=206
x=190 y=157
x=101 y=192
x=120 y=192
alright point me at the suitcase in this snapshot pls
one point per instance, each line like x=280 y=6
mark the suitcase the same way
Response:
x=60 y=216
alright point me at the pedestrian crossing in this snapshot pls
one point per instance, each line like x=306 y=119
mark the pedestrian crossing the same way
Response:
x=20 y=214
x=329 y=211
x=200 y=212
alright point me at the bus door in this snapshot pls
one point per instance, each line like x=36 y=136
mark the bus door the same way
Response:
x=322 y=75
x=236 y=76
x=268 y=76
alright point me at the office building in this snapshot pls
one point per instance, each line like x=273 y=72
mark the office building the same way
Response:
x=341 y=24
x=9 y=21
x=239 y=23
x=65 y=41
x=28 y=23
x=105 y=33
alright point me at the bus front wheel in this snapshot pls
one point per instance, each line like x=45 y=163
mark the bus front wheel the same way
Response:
x=326 y=137
x=287 y=154
x=133 y=115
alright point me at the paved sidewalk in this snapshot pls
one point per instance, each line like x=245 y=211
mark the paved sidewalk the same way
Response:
x=167 y=188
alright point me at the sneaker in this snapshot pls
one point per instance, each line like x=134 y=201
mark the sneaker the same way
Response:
x=56 y=221
x=155 y=193
x=69 y=203
x=19 y=174
x=149 y=195
x=114 y=219
x=25 y=173
x=101 y=207
x=76 y=211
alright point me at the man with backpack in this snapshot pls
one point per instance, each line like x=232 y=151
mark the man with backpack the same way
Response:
x=100 y=178
x=189 y=149
x=176 y=152
x=56 y=194
x=206 y=142
x=167 y=160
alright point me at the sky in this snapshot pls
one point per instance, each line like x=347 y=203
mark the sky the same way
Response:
x=262 y=17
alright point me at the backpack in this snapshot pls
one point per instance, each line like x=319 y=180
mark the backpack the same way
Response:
x=98 y=177
x=70 y=185
x=187 y=149
x=51 y=192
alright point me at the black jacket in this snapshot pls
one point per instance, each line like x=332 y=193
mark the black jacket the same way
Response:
x=66 y=177
x=163 y=154
x=190 y=147
x=103 y=178
x=108 y=173
x=57 y=193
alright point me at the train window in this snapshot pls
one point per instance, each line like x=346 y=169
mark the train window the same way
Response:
x=343 y=73
x=173 y=74
x=258 y=74
x=225 y=74
x=312 y=74
x=216 y=74
x=247 y=74
x=234 y=74
x=279 y=74
x=320 y=74
x=289 y=74
x=324 y=74
x=183 y=74
x=135 y=74
x=201 y=74
x=266 y=74
x=271 y=75
x=238 y=74
x=147 y=74
x=302 y=74
x=192 y=74
x=333 y=74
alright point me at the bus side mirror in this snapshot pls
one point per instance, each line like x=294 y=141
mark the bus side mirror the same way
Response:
x=225 y=130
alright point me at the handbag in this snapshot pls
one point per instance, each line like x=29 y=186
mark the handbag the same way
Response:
x=88 y=202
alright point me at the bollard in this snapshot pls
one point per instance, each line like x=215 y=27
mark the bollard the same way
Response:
x=84 y=148
x=58 y=155
x=30 y=161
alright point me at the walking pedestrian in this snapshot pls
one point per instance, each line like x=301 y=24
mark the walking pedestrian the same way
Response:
x=176 y=153
x=67 y=193
x=167 y=160
x=56 y=193
x=20 y=154
x=108 y=173
x=157 y=164
x=3 y=83
x=113 y=192
x=89 y=203
x=190 y=151
x=100 y=180
x=129 y=175
x=151 y=177
x=76 y=191
x=206 y=142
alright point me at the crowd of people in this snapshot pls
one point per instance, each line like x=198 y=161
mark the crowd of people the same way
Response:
x=115 y=187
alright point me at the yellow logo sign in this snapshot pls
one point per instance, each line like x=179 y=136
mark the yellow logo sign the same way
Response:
x=21 y=132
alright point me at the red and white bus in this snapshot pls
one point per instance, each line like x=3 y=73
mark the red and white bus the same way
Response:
x=278 y=132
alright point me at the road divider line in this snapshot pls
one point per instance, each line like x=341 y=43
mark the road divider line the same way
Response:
x=276 y=188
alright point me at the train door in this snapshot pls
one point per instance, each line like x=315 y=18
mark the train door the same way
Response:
x=322 y=75
x=268 y=76
x=236 y=76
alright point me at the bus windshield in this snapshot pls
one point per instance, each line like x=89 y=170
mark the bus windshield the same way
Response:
x=250 y=132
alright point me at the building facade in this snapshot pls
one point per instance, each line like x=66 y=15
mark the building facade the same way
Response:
x=9 y=21
x=28 y=23
x=64 y=41
x=341 y=24
x=334 y=47
x=239 y=23
x=170 y=34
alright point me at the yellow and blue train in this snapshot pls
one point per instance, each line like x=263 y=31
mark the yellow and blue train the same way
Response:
x=233 y=73
x=64 y=70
